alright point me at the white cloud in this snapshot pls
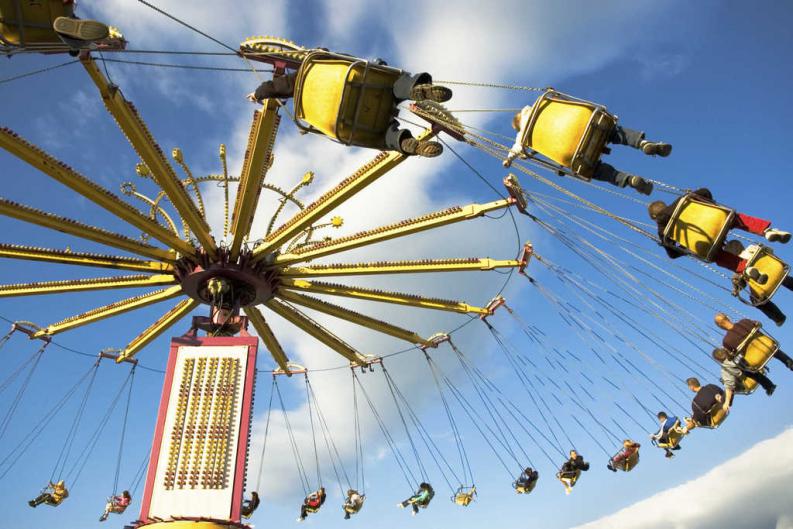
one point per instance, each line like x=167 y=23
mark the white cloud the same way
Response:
x=750 y=490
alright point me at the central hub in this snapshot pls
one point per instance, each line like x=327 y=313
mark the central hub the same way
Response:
x=226 y=284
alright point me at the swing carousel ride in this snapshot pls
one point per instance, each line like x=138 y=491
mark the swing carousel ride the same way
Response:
x=196 y=470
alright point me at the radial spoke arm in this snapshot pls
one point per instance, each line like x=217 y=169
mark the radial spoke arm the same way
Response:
x=258 y=157
x=165 y=322
x=392 y=231
x=107 y=311
x=354 y=317
x=380 y=165
x=297 y=318
x=99 y=195
x=266 y=334
x=78 y=229
x=381 y=296
x=144 y=144
x=51 y=255
x=399 y=267
x=80 y=285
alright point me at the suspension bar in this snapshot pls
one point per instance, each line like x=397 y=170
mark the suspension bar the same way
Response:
x=50 y=255
x=265 y=332
x=80 y=285
x=399 y=267
x=163 y=323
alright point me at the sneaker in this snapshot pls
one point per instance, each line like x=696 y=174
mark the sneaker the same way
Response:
x=770 y=390
x=103 y=517
x=780 y=322
x=755 y=275
x=789 y=363
x=439 y=94
x=401 y=505
x=669 y=455
x=426 y=149
x=641 y=185
x=608 y=466
x=346 y=516
x=32 y=503
x=774 y=235
x=80 y=30
x=653 y=148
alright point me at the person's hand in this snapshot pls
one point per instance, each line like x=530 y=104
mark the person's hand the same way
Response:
x=506 y=163
x=726 y=407
x=252 y=97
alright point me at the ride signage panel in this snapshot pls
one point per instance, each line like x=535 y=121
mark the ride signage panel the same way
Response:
x=199 y=454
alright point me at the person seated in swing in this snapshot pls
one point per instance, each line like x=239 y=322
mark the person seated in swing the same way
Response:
x=116 y=505
x=733 y=374
x=629 y=448
x=669 y=425
x=563 y=126
x=406 y=87
x=763 y=302
x=312 y=503
x=53 y=495
x=663 y=214
x=526 y=481
x=250 y=505
x=570 y=470
x=464 y=496
x=704 y=404
x=421 y=498
x=353 y=503
x=738 y=331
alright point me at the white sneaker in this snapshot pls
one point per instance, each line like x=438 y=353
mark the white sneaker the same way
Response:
x=774 y=235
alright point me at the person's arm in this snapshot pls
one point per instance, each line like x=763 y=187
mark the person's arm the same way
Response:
x=517 y=147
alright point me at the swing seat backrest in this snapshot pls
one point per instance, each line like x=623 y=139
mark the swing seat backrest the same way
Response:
x=572 y=476
x=674 y=435
x=630 y=462
x=569 y=131
x=699 y=227
x=757 y=349
x=35 y=24
x=717 y=417
x=347 y=99
x=775 y=268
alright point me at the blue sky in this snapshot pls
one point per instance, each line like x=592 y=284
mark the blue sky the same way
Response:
x=708 y=77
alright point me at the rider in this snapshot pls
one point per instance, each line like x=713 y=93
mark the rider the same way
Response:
x=248 y=506
x=603 y=172
x=413 y=87
x=527 y=479
x=116 y=504
x=704 y=401
x=662 y=435
x=628 y=449
x=732 y=375
x=421 y=498
x=53 y=495
x=737 y=333
x=353 y=503
x=312 y=503
x=570 y=470
x=765 y=305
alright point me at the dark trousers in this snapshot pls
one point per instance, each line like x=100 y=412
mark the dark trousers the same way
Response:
x=625 y=136
x=607 y=173
x=785 y=359
x=45 y=497
x=771 y=310
x=760 y=378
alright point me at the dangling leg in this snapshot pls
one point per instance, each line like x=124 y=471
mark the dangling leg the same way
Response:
x=760 y=226
x=401 y=140
x=44 y=497
x=763 y=380
x=78 y=33
x=282 y=87
x=607 y=173
x=634 y=138
x=773 y=313
x=418 y=87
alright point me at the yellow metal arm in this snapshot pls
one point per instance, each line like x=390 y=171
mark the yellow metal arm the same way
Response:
x=266 y=334
x=258 y=156
x=79 y=285
x=30 y=253
x=144 y=144
x=297 y=318
x=354 y=317
x=165 y=322
x=392 y=231
x=380 y=165
x=380 y=295
x=106 y=311
x=93 y=192
x=399 y=267
x=78 y=229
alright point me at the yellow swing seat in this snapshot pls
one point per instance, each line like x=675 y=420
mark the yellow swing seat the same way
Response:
x=757 y=349
x=748 y=385
x=347 y=99
x=717 y=417
x=569 y=131
x=464 y=496
x=629 y=463
x=572 y=476
x=674 y=436
x=25 y=23
x=775 y=268
x=698 y=227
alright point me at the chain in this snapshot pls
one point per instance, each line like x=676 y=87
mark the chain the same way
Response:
x=495 y=85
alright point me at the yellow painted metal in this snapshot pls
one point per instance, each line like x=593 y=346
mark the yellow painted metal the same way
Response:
x=258 y=156
x=266 y=334
x=354 y=317
x=699 y=227
x=769 y=264
x=192 y=524
x=300 y=320
x=349 y=187
x=80 y=285
x=383 y=296
x=176 y=154
x=90 y=190
x=140 y=138
x=163 y=323
x=113 y=309
x=399 y=267
x=392 y=231
x=50 y=255
x=78 y=229
x=30 y=23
